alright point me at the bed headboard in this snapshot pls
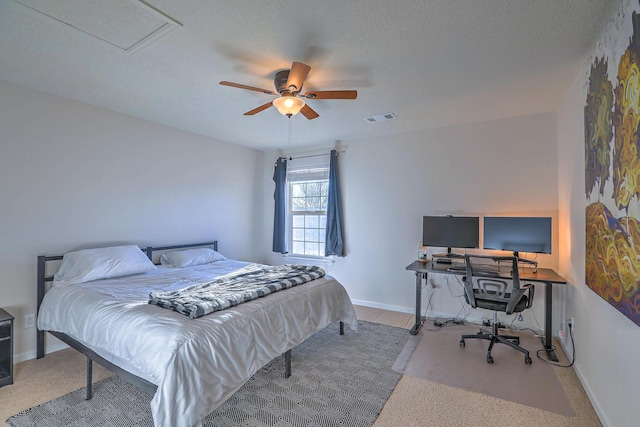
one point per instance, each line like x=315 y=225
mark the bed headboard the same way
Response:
x=43 y=278
x=151 y=249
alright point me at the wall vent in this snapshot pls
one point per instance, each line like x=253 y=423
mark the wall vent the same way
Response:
x=380 y=118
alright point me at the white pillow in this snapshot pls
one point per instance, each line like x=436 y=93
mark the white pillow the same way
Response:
x=190 y=257
x=101 y=263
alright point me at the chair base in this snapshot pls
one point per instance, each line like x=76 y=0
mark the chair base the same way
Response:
x=494 y=338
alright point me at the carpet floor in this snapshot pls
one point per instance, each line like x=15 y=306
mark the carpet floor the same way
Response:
x=436 y=356
x=336 y=380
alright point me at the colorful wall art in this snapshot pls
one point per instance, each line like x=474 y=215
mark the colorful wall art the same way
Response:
x=612 y=165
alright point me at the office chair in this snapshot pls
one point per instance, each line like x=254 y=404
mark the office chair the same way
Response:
x=484 y=288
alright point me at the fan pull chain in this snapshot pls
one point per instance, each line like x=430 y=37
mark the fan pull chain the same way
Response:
x=290 y=133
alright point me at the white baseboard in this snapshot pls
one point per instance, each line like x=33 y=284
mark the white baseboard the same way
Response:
x=585 y=385
x=399 y=308
x=436 y=314
x=389 y=307
x=28 y=355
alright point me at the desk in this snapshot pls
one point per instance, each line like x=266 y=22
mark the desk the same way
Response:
x=543 y=275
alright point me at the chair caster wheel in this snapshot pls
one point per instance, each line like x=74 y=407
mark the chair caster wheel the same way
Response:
x=528 y=360
x=461 y=343
x=489 y=359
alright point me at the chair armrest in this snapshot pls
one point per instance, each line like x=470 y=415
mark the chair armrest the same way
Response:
x=468 y=290
x=531 y=291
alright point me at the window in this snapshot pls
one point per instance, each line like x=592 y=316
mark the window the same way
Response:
x=307 y=210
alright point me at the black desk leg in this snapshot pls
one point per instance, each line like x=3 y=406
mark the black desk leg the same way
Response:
x=418 y=323
x=548 y=311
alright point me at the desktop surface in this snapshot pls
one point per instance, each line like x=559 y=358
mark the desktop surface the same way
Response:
x=526 y=273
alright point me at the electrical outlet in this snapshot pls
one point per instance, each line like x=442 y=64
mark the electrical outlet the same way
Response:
x=520 y=318
x=432 y=283
x=573 y=324
x=29 y=320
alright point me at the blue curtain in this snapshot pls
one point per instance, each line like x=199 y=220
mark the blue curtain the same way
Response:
x=334 y=244
x=280 y=214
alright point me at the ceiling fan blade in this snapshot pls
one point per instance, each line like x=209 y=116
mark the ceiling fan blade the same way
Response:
x=258 y=109
x=332 y=94
x=297 y=75
x=308 y=112
x=256 y=89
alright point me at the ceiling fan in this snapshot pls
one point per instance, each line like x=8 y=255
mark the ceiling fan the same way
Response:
x=288 y=84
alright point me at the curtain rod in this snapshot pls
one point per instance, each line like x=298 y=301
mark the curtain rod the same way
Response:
x=313 y=155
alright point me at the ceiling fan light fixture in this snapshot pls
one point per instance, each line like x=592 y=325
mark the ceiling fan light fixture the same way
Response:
x=288 y=105
x=288 y=84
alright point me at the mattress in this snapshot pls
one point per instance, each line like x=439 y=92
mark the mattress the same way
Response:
x=196 y=363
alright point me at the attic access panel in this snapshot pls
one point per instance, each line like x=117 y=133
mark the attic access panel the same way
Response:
x=128 y=25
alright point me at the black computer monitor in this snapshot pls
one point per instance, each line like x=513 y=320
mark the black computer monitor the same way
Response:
x=451 y=232
x=518 y=234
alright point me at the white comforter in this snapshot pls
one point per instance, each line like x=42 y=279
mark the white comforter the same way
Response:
x=196 y=364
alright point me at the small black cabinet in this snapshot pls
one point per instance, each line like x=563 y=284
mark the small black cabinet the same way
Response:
x=6 y=348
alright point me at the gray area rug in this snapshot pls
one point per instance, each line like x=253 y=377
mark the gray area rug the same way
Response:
x=336 y=381
x=437 y=356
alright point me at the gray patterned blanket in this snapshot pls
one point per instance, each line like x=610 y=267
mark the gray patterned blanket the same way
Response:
x=247 y=284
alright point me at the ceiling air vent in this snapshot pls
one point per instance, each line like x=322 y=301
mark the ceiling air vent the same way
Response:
x=380 y=118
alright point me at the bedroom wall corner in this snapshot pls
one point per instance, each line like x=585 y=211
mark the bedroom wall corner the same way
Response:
x=77 y=176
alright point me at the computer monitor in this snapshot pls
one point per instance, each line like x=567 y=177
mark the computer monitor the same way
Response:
x=518 y=234
x=451 y=232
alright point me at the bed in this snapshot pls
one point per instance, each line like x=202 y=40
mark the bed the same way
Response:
x=190 y=366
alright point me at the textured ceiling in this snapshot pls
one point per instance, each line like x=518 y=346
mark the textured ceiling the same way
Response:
x=430 y=62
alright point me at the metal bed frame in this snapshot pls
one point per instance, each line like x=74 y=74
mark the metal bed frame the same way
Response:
x=91 y=355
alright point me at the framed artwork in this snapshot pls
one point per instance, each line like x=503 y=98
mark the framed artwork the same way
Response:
x=612 y=167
